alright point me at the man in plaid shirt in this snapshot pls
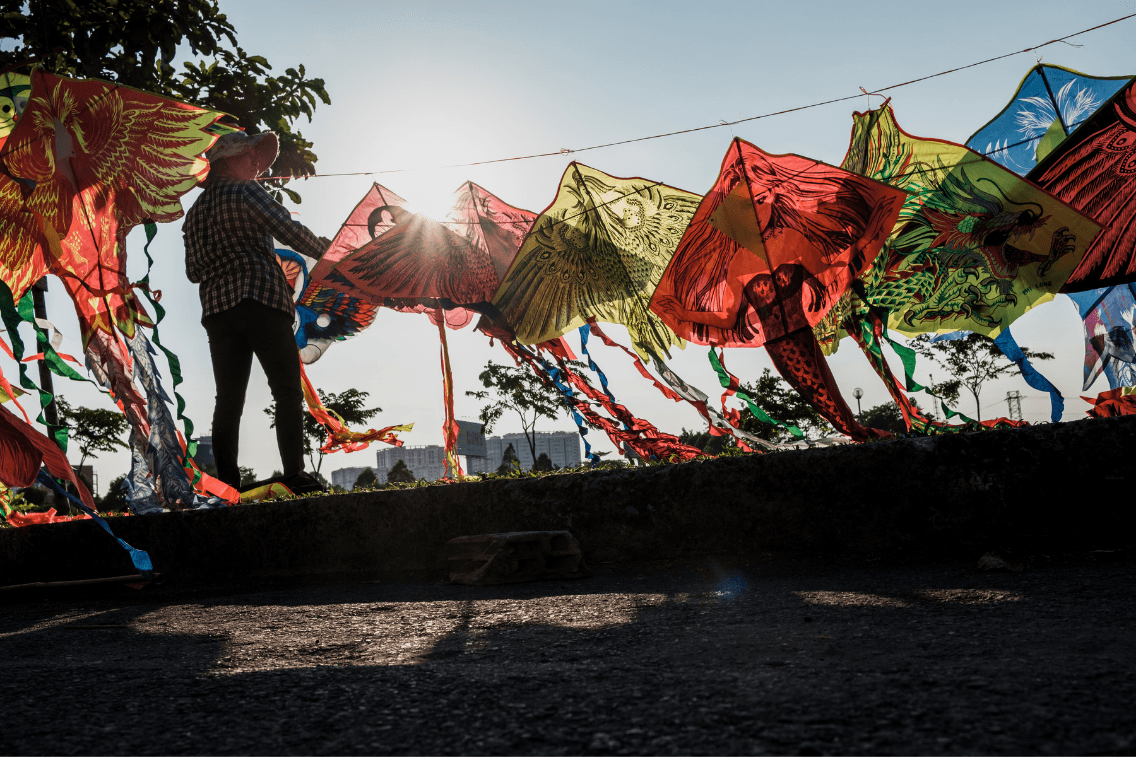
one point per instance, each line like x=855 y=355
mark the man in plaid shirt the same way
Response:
x=246 y=303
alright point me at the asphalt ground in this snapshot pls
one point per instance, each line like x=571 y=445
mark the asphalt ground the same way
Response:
x=781 y=654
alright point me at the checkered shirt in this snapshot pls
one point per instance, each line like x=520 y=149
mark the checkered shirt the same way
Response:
x=229 y=248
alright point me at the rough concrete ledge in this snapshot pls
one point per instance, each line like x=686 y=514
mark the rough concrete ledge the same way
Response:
x=1066 y=482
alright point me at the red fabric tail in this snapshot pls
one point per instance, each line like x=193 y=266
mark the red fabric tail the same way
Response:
x=798 y=359
x=453 y=469
x=23 y=449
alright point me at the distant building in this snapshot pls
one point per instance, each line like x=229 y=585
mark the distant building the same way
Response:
x=562 y=448
x=346 y=477
x=426 y=462
x=204 y=457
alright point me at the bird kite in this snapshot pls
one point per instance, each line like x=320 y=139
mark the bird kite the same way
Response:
x=598 y=251
x=1049 y=104
x=1094 y=170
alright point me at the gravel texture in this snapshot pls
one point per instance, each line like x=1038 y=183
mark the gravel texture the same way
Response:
x=780 y=654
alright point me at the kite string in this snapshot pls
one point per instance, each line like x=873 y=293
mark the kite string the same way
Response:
x=720 y=124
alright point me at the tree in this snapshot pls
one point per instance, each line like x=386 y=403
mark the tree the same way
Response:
x=93 y=430
x=348 y=405
x=115 y=499
x=887 y=417
x=544 y=463
x=509 y=461
x=521 y=391
x=134 y=42
x=781 y=402
x=400 y=474
x=367 y=479
x=971 y=362
x=248 y=476
x=705 y=441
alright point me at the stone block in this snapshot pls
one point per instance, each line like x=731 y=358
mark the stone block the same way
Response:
x=514 y=557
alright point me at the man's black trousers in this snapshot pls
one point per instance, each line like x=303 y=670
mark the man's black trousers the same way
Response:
x=235 y=335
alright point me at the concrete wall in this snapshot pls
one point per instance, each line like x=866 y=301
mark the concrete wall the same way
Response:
x=1065 y=482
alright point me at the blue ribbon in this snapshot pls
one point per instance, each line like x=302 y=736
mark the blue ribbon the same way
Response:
x=567 y=396
x=585 y=332
x=140 y=559
x=1011 y=350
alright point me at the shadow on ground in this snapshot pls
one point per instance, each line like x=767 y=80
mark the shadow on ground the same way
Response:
x=781 y=655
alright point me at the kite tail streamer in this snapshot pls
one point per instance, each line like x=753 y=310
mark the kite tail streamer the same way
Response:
x=544 y=370
x=732 y=386
x=677 y=390
x=1011 y=350
x=867 y=333
x=718 y=424
x=109 y=360
x=8 y=389
x=139 y=558
x=1114 y=402
x=166 y=450
x=666 y=392
x=585 y=331
x=870 y=332
x=339 y=436
x=643 y=438
x=453 y=470
x=907 y=357
x=172 y=359
x=13 y=315
x=797 y=357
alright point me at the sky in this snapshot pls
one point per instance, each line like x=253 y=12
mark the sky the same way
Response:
x=415 y=86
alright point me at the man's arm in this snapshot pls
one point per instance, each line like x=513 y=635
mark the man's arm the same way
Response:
x=273 y=216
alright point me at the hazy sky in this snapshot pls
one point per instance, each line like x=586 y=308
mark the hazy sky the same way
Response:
x=419 y=85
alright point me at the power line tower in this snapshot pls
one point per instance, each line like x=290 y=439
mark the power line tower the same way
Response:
x=1014 y=400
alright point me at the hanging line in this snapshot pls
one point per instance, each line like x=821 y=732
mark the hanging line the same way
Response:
x=720 y=124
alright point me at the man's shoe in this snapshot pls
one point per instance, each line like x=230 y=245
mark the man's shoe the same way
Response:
x=304 y=483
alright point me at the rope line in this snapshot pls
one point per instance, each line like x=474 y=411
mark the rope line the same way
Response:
x=718 y=125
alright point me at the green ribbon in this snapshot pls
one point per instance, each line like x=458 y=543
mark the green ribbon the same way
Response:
x=907 y=357
x=13 y=315
x=171 y=358
x=758 y=412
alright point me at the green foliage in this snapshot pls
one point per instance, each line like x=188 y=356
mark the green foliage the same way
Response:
x=34 y=498
x=367 y=479
x=115 y=497
x=248 y=476
x=134 y=42
x=509 y=462
x=543 y=463
x=400 y=474
x=703 y=440
x=777 y=398
x=970 y=362
x=93 y=430
x=886 y=417
x=348 y=405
